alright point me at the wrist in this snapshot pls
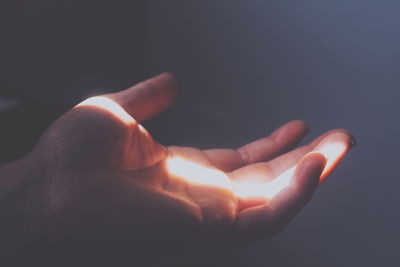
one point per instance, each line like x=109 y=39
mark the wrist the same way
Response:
x=21 y=205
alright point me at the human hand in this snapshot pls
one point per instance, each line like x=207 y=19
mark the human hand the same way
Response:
x=98 y=182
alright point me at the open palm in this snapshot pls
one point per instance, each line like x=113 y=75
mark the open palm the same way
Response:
x=108 y=186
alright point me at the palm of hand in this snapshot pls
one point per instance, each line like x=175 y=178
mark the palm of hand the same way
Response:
x=110 y=181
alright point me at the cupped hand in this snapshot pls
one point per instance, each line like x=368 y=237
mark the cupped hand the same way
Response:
x=98 y=185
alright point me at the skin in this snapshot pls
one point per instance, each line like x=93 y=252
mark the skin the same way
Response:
x=97 y=189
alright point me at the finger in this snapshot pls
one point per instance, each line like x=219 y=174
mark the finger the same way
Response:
x=268 y=171
x=280 y=141
x=316 y=141
x=148 y=98
x=334 y=147
x=333 y=144
x=224 y=159
x=109 y=132
x=268 y=219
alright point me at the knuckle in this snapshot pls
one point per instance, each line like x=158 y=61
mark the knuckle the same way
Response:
x=245 y=155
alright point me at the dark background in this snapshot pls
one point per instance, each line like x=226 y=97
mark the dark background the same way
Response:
x=244 y=68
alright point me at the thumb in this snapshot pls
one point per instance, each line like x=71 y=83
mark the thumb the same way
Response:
x=142 y=101
x=104 y=131
x=148 y=98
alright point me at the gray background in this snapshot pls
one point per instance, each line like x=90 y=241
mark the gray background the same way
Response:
x=244 y=67
x=247 y=66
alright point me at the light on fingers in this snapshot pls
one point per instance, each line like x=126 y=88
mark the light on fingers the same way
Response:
x=333 y=152
x=264 y=190
x=197 y=174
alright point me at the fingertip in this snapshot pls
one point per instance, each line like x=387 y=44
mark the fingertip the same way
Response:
x=291 y=132
x=166 y=73
x=343 y=136
x=167 y=82
x=301 y=124
x=353 y=141
x=334 y=147
x=167 y=78
x=345 y=133
x=148 y=98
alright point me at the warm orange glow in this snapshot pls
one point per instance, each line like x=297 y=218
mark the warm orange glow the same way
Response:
x=333 y=152
x=106 y=104
x=198 y=174
x=264 y=190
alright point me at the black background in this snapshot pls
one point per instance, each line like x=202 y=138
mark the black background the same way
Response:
x=244 y=67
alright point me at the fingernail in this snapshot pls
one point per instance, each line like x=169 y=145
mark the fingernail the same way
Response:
x=167 y=151
x=353 y=142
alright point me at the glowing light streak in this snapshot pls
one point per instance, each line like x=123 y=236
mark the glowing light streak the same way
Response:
x=108 y=105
